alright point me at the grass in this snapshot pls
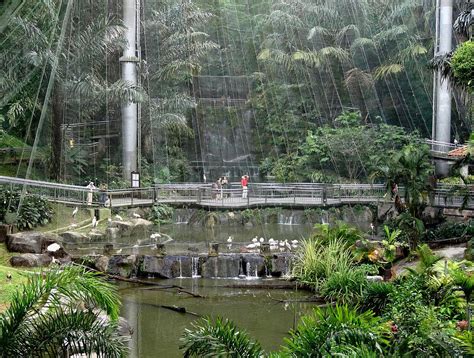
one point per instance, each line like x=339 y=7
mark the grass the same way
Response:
x=62 y=218
x=7 y=287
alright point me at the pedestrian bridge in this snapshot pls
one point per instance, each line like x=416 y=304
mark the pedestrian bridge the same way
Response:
x=259 y=195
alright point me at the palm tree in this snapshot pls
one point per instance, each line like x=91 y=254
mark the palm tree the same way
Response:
x=410 y=167
x=62 y=313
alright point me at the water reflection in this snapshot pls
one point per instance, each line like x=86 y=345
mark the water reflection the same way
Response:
x=259 y=311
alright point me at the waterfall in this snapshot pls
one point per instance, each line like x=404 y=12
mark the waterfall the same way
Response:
x=181 y=220
x=286 y=220
x=195 y=267
x=252 y=273
x=180 y=269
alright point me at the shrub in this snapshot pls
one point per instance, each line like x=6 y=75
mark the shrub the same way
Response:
x=161 y=214
x=314 y=262
x=33 y=211
x=346 y=286
x=325 y=331
x=462 y=64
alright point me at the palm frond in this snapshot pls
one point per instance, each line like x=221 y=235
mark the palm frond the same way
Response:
x=385 y=71
x=220 y=338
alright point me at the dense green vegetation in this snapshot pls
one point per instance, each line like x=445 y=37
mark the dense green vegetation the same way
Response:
x=24 y=210
x=45 y=317
x=330 y=87
x=424 y=312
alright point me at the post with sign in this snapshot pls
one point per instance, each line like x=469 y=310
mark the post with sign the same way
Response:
x=135 y=181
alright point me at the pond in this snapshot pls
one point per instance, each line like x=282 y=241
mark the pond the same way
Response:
x=257 y=310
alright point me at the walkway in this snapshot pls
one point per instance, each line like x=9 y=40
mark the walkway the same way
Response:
x=259 y=195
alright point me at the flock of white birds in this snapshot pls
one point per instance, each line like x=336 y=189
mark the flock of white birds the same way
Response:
x=275 y=245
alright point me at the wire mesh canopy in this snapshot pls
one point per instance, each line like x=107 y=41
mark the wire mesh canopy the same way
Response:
x=286 y=90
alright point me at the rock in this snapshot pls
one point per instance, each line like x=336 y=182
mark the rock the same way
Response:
x=101 y=263
x=122 y=265
x=223 y=266
x=374 y=278
x=166 y=267
x=5 y=230
x=74 y=237
x=30 y=242
x=96 y=236
x=31 y=260
x=124 y=227
x=280 y=265
x=253 y=265
x=112 y=233
x=124 y=328
x=141 y=227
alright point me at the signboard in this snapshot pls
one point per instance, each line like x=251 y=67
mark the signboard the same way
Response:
x=135 y=180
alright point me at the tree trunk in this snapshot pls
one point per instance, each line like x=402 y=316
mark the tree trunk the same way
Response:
x=56 y=134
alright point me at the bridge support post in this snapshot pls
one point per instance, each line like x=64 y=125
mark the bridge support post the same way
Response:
x=443 y=95
x=129 y=62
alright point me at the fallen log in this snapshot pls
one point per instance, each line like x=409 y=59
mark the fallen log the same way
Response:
x=174 y=308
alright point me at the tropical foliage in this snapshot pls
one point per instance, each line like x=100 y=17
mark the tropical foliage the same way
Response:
x=26 y=211
x=63 y=312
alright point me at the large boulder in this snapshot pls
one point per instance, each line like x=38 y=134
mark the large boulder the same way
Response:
x=122 y=265
x=222 y=266
x=280 y=264
x=30 y=242
x=74 y=237
x=166 y=266
x=31 y=260
x=124 y=228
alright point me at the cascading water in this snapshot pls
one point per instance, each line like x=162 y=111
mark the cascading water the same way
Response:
x=252 y=272
x=195 y=267
x=286 y=220
x=180 y=268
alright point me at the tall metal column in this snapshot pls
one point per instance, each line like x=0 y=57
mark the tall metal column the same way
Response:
x=444 y=98
x=129 y=74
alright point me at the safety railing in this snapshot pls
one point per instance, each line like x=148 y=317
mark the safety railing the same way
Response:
x=272 y=194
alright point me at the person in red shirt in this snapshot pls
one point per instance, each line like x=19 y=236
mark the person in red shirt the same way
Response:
x=244 y=181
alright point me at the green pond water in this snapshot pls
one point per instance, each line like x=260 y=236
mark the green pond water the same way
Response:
x=157 y=330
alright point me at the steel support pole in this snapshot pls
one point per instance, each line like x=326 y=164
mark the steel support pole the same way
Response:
x=129 y=74
x=444 y=98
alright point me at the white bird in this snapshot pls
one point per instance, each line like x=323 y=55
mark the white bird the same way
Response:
x=281 y=243
x=109 y=220
x=254 y=240
x=75 y=211
x=262 y=239
x=53 y=247
x=229 y=240
x=295 y=242
x=119 y=251
x=229 y=243
x=250 y=246
x=118 y=217
x=94 y=222
x=135 y=215
x=271 y=241
x=155 y=236
x=288 y=246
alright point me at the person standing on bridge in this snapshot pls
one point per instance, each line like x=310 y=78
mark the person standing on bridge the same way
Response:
x=244 y=182
x=91 y=188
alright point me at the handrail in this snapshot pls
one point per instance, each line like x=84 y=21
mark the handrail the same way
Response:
x=257 y=194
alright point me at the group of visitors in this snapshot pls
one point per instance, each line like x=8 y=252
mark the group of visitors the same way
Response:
x=220 y=187
x=104 y=199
